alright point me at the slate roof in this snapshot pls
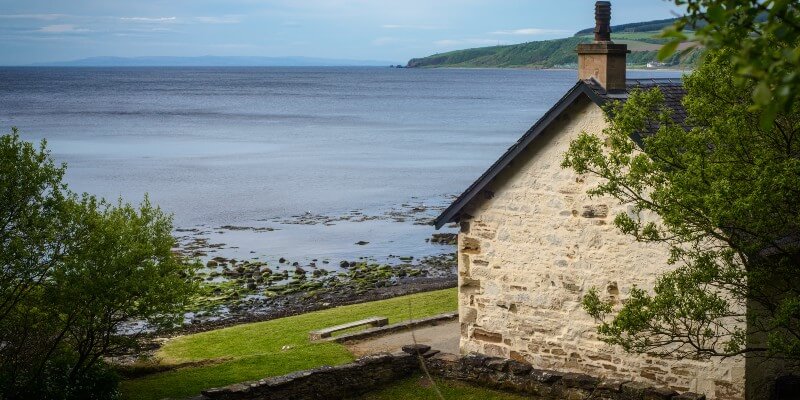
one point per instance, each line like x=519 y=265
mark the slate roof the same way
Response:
x=672 y=89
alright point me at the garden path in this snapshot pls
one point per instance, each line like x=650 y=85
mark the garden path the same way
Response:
x=442 y=336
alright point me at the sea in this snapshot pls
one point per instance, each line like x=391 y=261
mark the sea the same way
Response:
x=305 y=163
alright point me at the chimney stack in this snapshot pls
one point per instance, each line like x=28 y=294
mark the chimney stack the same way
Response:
x=603 y=60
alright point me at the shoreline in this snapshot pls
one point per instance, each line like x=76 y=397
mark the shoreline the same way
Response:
x=250 y=292
x=246 y=281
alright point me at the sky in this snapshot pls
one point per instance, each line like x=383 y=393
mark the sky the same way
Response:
x=33 y=31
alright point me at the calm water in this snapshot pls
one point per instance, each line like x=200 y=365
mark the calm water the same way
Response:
x=253 y=146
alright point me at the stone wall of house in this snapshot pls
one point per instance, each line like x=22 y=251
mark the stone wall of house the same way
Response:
x=531 y=247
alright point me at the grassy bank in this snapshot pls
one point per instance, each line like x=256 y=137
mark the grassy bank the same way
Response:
x=253 y=351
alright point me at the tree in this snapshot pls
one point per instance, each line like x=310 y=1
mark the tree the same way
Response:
x=762 y=39
x=726 y=192
x=31 y=220
x=75 y=269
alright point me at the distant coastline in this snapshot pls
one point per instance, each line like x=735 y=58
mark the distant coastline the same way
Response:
x=559 y=54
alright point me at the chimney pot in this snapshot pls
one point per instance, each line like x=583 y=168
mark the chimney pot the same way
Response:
x=602 y=21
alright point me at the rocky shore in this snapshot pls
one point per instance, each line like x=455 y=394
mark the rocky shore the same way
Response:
x=239 y=285
x=233 y=292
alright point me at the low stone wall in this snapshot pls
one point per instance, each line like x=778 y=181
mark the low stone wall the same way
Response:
x=510 y=375
x=341 y=381
x=372 y=372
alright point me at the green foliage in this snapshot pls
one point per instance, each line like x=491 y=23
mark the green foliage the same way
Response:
x=270 y=348
x=646 y=26
x=97 y=382
x=726 y=193
x=544 y=54
x=763 y=37
x=74 y=270
x=31 y=237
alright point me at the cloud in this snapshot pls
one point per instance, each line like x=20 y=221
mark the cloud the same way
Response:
x=227 y=19
x=62 y=28
x=530 y=32
x=411 y=27
x=149 y=19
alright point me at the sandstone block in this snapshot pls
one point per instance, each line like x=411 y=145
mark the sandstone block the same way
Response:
x=494 y=350
x=468 y=315
x=487 y=336
x=595 y=211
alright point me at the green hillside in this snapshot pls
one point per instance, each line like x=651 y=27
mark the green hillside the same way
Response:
x=647 y=26
x=557 y=53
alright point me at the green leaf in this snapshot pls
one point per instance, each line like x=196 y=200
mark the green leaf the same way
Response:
x=767 y=117
x=761 y=94
x=715 y=13
x=668 y=49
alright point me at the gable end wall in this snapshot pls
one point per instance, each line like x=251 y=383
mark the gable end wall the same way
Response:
x=532 y=248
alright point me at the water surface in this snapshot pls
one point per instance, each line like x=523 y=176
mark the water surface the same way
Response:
x=255 y=146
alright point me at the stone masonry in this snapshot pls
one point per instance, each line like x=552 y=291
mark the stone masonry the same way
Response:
x=376 y=371
x=530 y=248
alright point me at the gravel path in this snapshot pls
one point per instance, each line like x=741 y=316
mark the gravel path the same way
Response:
x=443 y=336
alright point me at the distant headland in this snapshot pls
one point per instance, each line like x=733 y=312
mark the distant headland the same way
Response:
x=641 y=37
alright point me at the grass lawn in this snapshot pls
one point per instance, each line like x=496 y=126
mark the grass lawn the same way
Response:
x=418 y=388
x=270 y=348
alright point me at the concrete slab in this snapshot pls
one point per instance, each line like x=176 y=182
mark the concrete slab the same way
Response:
x=443 y=336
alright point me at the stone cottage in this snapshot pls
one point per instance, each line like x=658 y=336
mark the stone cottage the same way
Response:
x=532 y=243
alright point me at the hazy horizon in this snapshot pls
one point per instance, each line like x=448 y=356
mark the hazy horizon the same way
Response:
x=211 y=61
x=42 y=31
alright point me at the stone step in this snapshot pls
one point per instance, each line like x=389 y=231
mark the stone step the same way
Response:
x=326 y=332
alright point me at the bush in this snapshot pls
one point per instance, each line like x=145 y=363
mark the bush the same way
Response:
x=73 y=270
